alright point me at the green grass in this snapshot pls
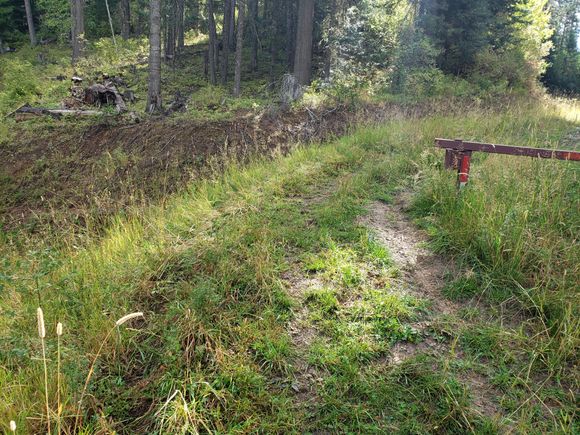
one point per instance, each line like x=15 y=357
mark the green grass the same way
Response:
x=463 y=288
x=516 y=227
x=40 y=76
x=420 y=396
x=207 y=268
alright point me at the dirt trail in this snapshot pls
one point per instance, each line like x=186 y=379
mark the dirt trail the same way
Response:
x=303 y=333
x=424 y=275
x=423 y=271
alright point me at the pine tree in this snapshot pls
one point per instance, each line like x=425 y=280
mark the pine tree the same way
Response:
x=228 y=25
x=303 y=57
x=154 y=95
x=213 y=45
x=179 y=25
x=125 y=18
x=564 y=60
x=78 y=28
x=30 y=22
x=5 y=21
x=170 y=29
x=239 y=47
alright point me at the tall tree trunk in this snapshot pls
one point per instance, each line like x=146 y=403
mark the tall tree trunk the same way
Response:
x=179 y=25
x=232 y=32
x=154 y=94
x=272 y=37
x=290 y=37
x=239 y=47
x=170 y=21
x=303 y=56
x=30 y=21
x=213 y=46
x=125 y=19
x=329 y=48
x=139 y=22
x=226 y=43
x=78 y=28
x=253 y=22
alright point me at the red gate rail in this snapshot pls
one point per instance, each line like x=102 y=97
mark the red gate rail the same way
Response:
x=458 y=154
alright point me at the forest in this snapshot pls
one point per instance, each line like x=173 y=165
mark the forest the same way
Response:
x=235 y=216
x=390 y=46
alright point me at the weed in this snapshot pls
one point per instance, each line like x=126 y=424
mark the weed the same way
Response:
x=462 y=288
x=323 y=300
x=274 y=351
x=42 y=335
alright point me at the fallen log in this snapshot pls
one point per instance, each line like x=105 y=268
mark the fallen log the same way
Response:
x=27 y=112
x=74 y=112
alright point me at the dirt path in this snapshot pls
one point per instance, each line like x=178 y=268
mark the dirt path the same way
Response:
x=424 y=275
x=306 y=378
x=423 y=271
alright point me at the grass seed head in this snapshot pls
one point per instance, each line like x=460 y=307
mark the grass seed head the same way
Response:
x=12 y=425
x=40 y=319
x=128 y=317
x=59 y=329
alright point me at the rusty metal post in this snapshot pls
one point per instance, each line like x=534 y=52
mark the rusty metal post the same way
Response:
x=463 y=171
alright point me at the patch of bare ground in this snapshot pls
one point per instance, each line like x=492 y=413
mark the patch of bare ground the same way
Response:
x=423 y=275
x=422 y=271
x=306 y=378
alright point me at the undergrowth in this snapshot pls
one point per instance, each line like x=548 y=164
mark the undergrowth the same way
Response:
x=41 y=77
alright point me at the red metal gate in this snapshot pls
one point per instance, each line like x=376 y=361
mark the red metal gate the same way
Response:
x=458 y=154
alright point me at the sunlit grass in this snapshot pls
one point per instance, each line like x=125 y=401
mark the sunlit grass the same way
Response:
x=567 y=109
x=206 y=268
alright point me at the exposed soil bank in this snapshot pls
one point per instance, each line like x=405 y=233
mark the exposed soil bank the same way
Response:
x=74 y=174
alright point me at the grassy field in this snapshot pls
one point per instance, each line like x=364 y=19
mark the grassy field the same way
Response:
x=270 y=307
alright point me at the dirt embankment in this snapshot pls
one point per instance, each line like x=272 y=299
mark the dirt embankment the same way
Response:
x=79 y=175
x=72 y=175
